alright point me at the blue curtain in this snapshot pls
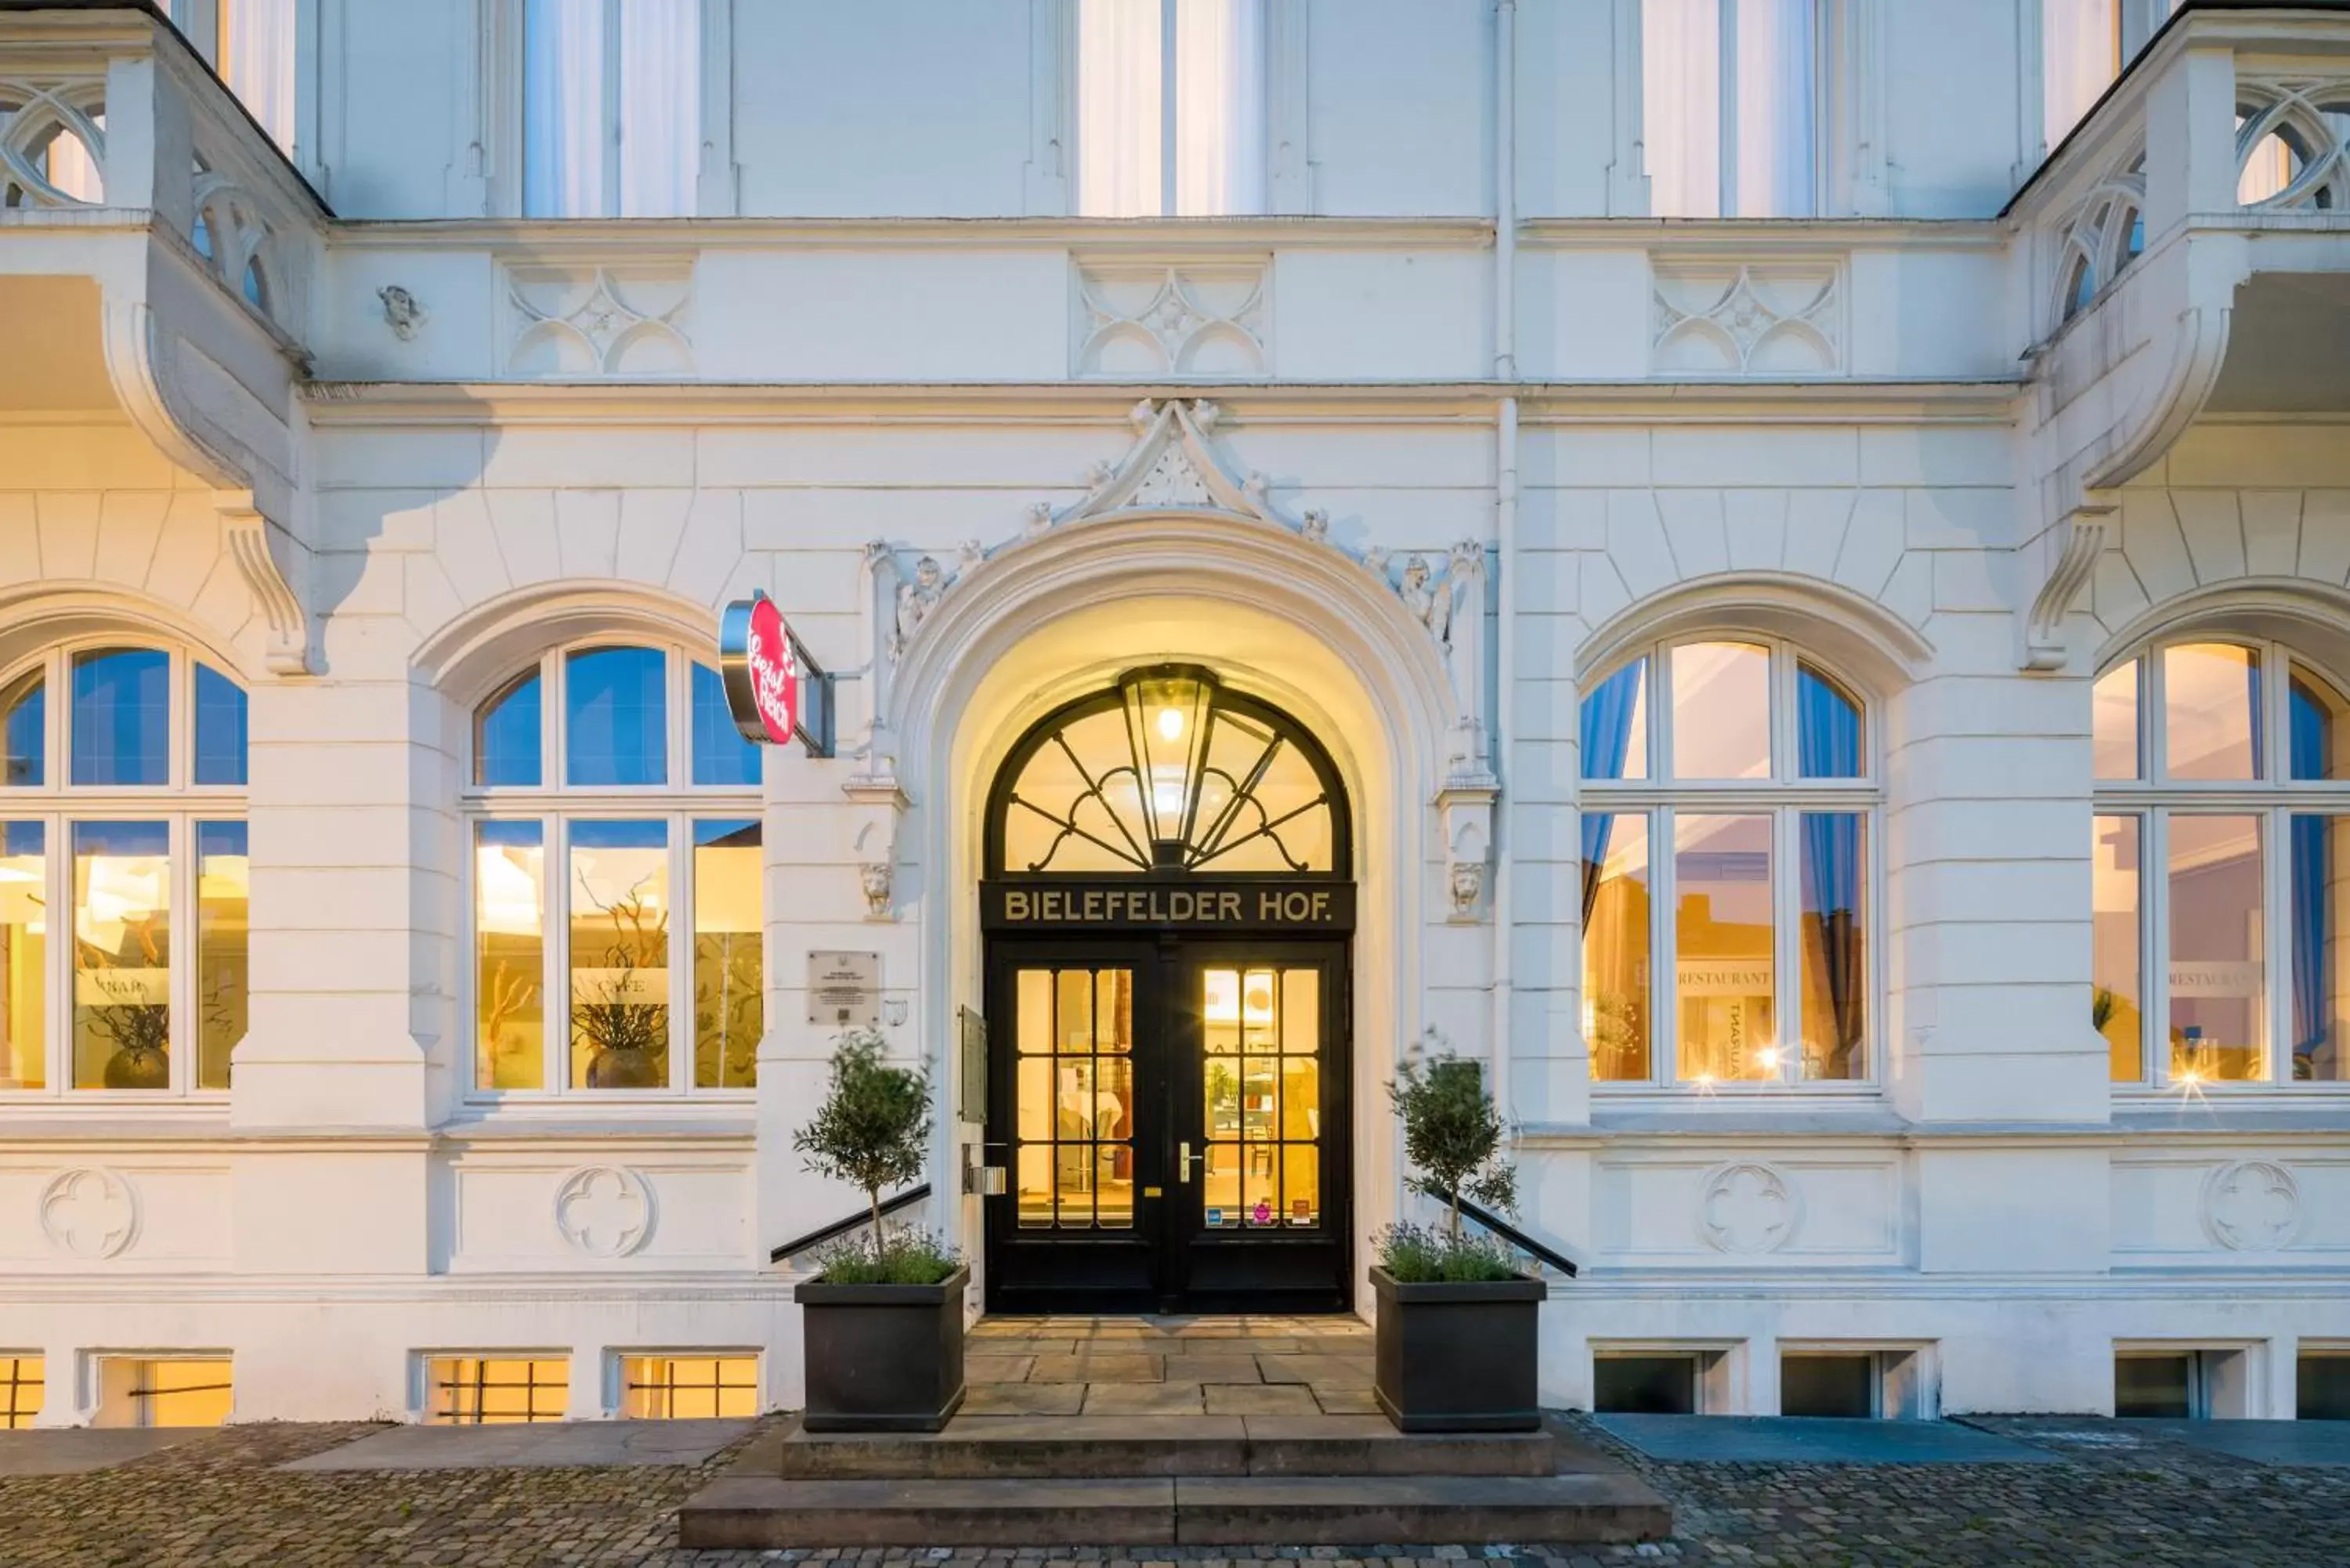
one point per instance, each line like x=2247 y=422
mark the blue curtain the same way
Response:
x=1832 y=873
x=2309 y=739
x=1827 y=729
x=1608 y=716
x=2311 y=915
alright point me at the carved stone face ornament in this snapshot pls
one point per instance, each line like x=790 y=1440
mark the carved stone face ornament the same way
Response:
x=1468 y=881
x=874 y=876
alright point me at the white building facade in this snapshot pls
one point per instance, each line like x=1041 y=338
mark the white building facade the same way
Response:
x=1708 y=570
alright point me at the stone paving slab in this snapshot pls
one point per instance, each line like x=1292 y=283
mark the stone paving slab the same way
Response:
x=1260 y=1400
x=1145 y=1399
x=1342 y=1370
x=1102 y=1368
x=1811 y=1440
x=77 y=1450
x=2267 y=1442
x=1339 y=1401
x=1210 y=1368
x=546 y=1444
x=1024 y=1398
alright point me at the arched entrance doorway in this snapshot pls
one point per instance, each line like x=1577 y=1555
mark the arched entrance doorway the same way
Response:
x=1169 y=901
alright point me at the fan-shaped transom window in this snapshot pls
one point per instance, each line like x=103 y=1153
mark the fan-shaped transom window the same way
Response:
x=1169 y=771
x=617 y=870
x=122 y=773
x=2222 y=845
x=1727 y=809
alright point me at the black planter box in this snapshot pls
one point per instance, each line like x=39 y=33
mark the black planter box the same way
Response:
x=1458 y=1357
x=882 y=1358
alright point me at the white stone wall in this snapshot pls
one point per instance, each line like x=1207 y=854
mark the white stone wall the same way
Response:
x=1823 y=432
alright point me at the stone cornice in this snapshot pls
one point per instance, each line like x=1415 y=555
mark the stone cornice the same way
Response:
x=543 y=236
x=1843 y=400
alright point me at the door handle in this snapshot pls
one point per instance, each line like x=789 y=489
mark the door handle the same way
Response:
x=1184 y=1160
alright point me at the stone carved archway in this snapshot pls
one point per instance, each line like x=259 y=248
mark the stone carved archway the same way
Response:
x=1171 y=516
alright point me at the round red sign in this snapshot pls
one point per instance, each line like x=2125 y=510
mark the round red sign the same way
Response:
x=774 y=673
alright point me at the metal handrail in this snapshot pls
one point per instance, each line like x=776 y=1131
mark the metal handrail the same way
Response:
x=1514 y=1237
x=817 y=1237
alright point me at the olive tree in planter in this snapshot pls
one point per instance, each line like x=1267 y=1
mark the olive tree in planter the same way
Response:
x=882 y=1323
x=1457 y=1319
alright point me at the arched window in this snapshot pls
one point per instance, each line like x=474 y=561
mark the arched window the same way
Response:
x=1728 y=806
x=2221 y=878
x=122 y=773
x=617 y=867
x=1167 y=770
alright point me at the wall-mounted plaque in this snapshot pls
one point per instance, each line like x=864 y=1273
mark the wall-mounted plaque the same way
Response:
x=970 y=1039
x=845 y=990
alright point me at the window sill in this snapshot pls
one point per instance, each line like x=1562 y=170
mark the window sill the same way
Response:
x=731 y=1114
x=118 y=1116
x=1859 y=1111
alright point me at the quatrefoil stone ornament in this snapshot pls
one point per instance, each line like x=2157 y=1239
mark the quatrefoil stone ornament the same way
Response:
x=604 y=1211
x=2251 y=1204
x=1746 y=1207
x=89 y=1213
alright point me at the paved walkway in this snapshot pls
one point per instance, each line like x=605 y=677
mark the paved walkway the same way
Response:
x=2105 y=1493
x=1169 y=1367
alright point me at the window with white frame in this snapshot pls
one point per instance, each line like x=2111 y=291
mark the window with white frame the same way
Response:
x=1728 y=807
x=1171 y=116
x=615 y=866
x=2221 y=885
x=494 y=1390
x=612 y=100
x=251 y=45
x=122 y=803
x=1730 y=107
x=165 y=1391
x=689 y=1387
x=2080 y=54
x=2084 y=44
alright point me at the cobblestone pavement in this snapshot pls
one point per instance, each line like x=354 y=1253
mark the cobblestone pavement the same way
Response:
x=2122 y=1495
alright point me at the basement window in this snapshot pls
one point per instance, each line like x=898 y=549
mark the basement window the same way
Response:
x=177 y=1391
x=1842 y=1386
x=1645 y=1385
x=2181 y=1384
x=1857 y=1382
x=688 y=1387
x=20 y=1391
x=488 y=1391
x=2322 y=1379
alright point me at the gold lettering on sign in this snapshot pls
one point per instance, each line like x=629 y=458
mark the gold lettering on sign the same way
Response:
x=1175 y=906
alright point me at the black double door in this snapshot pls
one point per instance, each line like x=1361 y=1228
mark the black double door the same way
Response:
x=1173 y=1113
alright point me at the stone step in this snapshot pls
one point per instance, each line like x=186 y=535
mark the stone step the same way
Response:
x=745 y=1511
x=1113 y=1447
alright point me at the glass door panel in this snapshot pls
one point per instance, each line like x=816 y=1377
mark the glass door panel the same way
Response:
x=1074 y=1090
x=1261 y=1098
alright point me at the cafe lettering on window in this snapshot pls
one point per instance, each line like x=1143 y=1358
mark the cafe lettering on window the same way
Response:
x=1195 y=905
